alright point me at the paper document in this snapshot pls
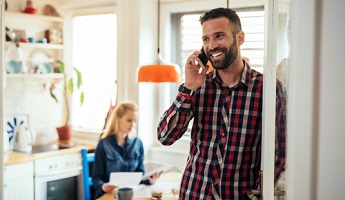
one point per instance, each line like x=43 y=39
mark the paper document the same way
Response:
x=156 y=170
x=125 y=178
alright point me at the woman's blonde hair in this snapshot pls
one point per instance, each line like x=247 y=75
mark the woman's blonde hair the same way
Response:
x=112 y=125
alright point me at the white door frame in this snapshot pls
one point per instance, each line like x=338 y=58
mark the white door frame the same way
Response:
x=2 y=85
x=269 y=94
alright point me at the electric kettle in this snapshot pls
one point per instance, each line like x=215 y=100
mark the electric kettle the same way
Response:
x=24 y=137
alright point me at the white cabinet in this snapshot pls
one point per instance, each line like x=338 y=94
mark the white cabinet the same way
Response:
x=19 y=181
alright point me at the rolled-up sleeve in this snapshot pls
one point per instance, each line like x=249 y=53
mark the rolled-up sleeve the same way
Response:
x=181 y=108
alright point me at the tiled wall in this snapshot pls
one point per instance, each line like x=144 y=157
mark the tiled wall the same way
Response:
x=27 y=95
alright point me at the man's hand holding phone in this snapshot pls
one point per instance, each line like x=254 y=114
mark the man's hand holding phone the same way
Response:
x=195 y=70
x=203 y=58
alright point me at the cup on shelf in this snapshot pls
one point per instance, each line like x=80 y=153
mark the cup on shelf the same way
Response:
x=43 y=40
x=32 y=39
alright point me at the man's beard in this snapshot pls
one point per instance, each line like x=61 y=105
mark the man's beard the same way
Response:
x=230 y=57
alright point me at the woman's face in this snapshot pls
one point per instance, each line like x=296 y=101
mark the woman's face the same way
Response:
x=127 y=121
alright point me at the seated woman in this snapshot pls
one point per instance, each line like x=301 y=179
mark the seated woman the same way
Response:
x=116 y=151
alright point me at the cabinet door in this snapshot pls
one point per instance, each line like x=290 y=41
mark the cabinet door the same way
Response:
x=19 y=188
x=19 y=181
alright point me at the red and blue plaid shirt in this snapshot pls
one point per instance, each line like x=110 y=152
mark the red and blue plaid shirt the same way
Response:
x=225 y=149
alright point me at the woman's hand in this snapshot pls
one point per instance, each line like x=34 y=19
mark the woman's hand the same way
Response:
x=107 y=187
x=154 y=177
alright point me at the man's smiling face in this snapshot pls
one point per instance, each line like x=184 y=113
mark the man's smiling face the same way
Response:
x=219 y=42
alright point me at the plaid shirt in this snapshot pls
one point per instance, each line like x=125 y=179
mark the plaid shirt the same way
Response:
x=225 y=149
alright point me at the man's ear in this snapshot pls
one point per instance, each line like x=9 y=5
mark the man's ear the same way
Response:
x=240 y=38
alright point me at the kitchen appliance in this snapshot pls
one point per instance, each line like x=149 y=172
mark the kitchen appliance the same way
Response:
x=24 y=137
x=58 y=177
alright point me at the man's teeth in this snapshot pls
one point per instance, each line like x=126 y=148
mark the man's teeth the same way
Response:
x=216 y=54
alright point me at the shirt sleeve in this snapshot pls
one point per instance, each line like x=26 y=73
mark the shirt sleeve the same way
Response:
x=141 y=166
x=181 y=108
x=280 y=140
x=98 y=172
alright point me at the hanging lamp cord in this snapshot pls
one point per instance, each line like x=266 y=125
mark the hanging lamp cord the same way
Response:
x=158 y=26
x=227 y=3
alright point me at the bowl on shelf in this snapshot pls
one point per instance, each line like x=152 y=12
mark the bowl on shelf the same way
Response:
x=45 y=68
x=13 y=67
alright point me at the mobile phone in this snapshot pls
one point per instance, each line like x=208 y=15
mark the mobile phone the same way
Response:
x=203 y=58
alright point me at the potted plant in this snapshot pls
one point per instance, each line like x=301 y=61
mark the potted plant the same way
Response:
x=72 y=83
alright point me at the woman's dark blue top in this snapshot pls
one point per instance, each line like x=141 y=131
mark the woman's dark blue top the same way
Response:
x=110 y=156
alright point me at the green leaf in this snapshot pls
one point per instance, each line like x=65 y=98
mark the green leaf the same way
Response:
x=70 y=86
x=53 y=96
x=81 y=99
x=79 y=78
x=61 y=66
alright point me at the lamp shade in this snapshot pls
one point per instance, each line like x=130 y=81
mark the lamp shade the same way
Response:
x=158 y=73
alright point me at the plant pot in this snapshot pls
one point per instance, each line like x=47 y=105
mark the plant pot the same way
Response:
x=64 y=133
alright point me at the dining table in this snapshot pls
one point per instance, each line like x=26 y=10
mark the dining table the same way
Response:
x=168 y=184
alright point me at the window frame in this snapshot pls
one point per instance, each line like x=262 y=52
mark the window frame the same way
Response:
x=68 y=24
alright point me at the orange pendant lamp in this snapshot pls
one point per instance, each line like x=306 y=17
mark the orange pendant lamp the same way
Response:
x=159 y=72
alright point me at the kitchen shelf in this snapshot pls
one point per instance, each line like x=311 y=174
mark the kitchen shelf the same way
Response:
x=33 y=16
x=35 y=76
x=39 y=45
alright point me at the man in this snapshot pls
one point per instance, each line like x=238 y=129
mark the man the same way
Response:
x=226 y=104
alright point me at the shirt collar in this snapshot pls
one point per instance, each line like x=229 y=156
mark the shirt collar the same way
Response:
x=246 y=76
x=128 y=141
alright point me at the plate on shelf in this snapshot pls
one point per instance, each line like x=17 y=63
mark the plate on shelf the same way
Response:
x=38 y=57
x=13 y=67
x=45 y=68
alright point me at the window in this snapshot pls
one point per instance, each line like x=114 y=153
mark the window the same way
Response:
x=189 y=37
x=94 y=54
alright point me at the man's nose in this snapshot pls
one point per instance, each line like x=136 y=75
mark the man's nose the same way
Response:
x=212 y=44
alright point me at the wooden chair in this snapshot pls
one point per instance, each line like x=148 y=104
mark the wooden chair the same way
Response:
x=87 y=158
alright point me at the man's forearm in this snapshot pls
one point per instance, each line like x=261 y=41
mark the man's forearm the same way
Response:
x=172 y=122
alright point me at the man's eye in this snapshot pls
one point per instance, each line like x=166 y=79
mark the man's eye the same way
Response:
x=219 y=35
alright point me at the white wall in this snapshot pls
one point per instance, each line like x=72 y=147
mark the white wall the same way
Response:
x=316 y=156
x=332 y=99
x=29 y=96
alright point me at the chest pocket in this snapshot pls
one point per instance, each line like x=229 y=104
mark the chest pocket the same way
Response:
x=114 y=162
x=132 y=160
x=133 y=155
x=112 y=156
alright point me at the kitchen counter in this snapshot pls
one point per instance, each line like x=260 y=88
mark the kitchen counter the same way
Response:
x=16 y=157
